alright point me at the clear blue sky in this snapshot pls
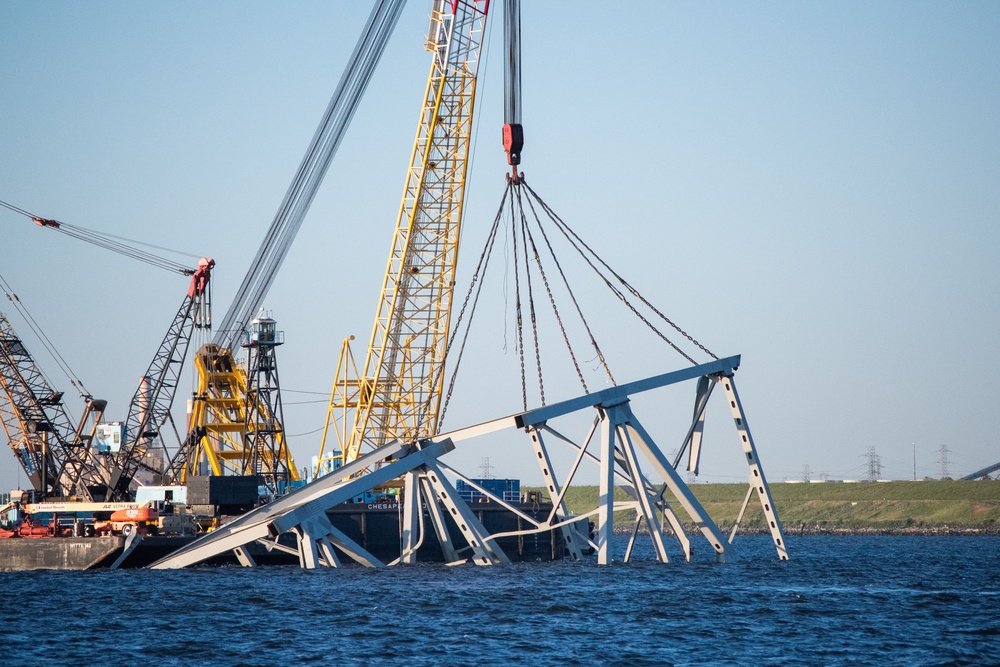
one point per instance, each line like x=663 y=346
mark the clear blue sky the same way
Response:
x=810 y=185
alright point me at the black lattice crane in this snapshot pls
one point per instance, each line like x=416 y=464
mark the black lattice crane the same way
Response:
x=56 y=457
x=150 y=407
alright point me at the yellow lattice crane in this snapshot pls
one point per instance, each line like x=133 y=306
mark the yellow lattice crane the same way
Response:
x=234 y=428
x=398 y=393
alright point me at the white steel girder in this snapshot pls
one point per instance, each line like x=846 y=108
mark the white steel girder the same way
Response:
x=756 y=480
x=304 y=510
x=569 y=534
x=622 y=441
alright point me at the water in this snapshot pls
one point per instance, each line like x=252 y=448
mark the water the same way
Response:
x=839 y=601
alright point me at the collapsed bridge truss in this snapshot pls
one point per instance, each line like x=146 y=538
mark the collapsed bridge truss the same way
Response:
x=616 y=441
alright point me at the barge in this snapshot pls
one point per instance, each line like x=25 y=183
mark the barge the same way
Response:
x=72 y=543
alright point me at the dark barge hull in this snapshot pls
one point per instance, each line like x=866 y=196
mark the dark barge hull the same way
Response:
x=82 y=553
x=375 y=526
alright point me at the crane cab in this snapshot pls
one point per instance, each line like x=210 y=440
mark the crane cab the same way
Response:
x=263 y=331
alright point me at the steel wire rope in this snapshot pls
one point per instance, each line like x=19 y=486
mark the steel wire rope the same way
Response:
x=309 y=175
x=476 y=282
x=61 y=362
x=512 y=69
x=110 y=242
x=568 y=233
x=552 y=300
x=531 y=299
x=16 y=209
x=572 y=295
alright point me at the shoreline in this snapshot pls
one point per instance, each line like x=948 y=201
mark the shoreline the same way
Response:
x=841 y=531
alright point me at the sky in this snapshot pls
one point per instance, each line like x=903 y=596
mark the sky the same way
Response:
x=810 y=185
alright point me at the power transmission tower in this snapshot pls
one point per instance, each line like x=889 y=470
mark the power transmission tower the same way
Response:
x=805 y=473
x=874 y=465
x=486 y=468
x=944 y=451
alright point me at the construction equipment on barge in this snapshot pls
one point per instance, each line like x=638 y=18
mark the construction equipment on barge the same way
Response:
x=390 y=412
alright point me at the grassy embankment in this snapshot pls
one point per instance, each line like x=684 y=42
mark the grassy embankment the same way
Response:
x=863 y=506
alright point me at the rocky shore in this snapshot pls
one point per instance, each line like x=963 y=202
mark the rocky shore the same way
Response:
x=818 y=529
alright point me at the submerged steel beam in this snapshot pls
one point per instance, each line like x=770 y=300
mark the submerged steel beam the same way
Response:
x=301 y=509
x=623 y=446
x=757 y=481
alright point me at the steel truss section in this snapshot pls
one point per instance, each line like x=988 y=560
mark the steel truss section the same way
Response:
x=265 y=452
x=398 y=394
x=227 y=408
x=622 y=444
x=303 y=513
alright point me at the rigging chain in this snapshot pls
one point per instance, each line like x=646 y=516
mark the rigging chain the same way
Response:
x=552 y=300
x=531 y=299
x=576 y=304
x=517 y=308
x=567 y=232
x=475 y=284
x=527 y=239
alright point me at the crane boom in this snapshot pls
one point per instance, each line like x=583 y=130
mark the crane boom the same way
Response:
x=55 y=456
x=151 y=403
x=399 y=394
x=294 y=207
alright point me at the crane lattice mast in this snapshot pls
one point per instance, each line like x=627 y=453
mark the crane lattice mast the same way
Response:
x=150 y=407
x=56 y=457
x=398 y=395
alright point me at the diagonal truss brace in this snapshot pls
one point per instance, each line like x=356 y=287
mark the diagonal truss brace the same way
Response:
x=622 y=443
x=303 y=513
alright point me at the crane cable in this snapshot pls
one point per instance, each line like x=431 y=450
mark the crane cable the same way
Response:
x=46 y=343
x=579 y=245
x=473 y=293
x=518 y=311
x=523 y=237
x=109 y=242
x=301 y=192
x=102 y=240
x=552 y=300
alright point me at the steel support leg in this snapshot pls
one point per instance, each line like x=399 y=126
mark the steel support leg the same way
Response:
x=638 y=483
x=568 y=532
x=702 y=393
x=678 y=488
x=606 y=493
x=448 y=551
x=244 y=557
x=485 y=549
x=757 y=479
x=411 y=518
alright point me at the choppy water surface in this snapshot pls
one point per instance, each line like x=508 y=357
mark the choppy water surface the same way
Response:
x=839 y=601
